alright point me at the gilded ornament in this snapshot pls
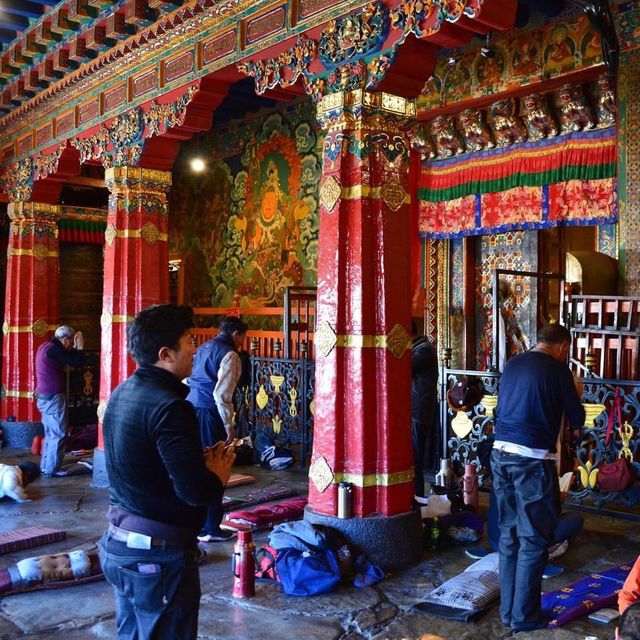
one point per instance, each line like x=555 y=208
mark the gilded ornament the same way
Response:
x=87 y=376
x=462 y=424
x=40 y=252
x=354 y=36
x=393 y=193
x=5 y=328
x=398 y=341
x=588 y=475
x=591 y=412
x=40 y=327
x=276 y=381
x=626 y=434
x=312 y=407
x=325 y=338
x=293 y=396
x=276 y=423
x=489 y=403
x=150 y=234
x=102 y=408
x=110 y=234
x=330 y=193
x=321 y=474
x=262 y=398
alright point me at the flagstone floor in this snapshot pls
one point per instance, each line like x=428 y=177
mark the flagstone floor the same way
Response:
x=382 y=612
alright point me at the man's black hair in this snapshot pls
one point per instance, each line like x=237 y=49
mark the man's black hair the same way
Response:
x=231 y=324
x=629 y=628
x=554 y=334
x=155 y=327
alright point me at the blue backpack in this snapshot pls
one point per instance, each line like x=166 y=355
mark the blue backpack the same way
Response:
x=307 y=573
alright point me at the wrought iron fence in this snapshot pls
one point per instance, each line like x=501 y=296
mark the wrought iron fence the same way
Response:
x=468 y=440
x=83 y=387
x=281 y=404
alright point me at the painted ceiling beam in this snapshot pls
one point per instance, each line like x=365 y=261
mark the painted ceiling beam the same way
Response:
x=550 y=8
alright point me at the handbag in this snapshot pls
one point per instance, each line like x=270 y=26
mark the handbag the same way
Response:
x=617 y=475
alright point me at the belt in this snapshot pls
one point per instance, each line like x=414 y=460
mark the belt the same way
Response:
x=139 y=540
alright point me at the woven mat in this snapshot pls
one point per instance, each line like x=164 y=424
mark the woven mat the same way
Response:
x=29 y=537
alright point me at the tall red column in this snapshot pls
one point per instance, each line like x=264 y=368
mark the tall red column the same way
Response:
x=362 y=432
x=136 y=265
x=31 y=307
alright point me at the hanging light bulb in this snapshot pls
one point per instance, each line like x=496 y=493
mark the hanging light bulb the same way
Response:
x=198 y=165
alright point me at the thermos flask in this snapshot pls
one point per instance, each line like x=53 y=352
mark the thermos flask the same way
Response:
x=345 y=498
x=243 y=565
x=470 y=486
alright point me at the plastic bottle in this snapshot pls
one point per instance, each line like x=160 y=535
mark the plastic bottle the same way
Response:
x=470 y=486
x=243 y=565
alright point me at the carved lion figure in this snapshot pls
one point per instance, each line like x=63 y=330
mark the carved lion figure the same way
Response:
x=537 y=117
x=507 y=126
x=606 y=101
x=446 y=137
x=475 y=132
x=575 y=113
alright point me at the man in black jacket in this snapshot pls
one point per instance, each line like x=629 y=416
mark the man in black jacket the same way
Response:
x=161 y=482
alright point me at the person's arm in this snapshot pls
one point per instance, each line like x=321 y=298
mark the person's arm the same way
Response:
x=572 y=404
x=630 y=591
x=177 y=439
x=228 y=376
x=68 y=357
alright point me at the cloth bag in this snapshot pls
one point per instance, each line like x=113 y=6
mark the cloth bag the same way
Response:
x=305 y=573
x=616 y=475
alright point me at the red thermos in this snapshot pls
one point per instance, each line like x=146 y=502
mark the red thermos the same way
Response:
x=470 y=486
x=243 y=564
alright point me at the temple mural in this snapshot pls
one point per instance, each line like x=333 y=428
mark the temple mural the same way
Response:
x=247 y=227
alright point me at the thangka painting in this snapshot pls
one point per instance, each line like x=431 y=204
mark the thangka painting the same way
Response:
x=250 y=227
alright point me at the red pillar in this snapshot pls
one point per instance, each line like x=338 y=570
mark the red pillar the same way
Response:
x=136 y=265
x=362 y=342
x=31 y=304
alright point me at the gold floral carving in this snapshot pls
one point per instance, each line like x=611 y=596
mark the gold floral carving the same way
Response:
x=276 y=423
x=325 y=339
x=40 y=252
x=262 y=398
x=40 y=327
x=393 y=193
x=398 y=341
x=330 y=193
x=110 y=234
x=5 y=328
x=321 y=474
x=150 y=234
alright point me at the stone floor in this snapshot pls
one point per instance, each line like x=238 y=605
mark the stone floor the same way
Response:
x=382 y=612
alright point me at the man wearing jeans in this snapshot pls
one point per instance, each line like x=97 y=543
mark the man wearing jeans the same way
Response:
x=63 y=350
x=161 y=482
x=536 y=389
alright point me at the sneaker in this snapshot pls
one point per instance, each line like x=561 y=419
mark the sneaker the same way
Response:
x=221 y=535
x=475 y=553
x=551 y=570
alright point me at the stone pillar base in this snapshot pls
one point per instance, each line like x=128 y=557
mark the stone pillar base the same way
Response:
x=100 y=477
x=19 y=435
x=392 y=542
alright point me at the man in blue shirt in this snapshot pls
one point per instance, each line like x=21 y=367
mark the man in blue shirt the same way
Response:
x=536 y=389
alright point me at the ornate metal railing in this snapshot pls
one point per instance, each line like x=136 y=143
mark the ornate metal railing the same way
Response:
x=83 y=387
x=590 y=442
x=281 y=403
x=468 y=440
x=463 y=438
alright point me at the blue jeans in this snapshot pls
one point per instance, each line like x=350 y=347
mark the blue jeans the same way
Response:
x=211 y=431
x=528 y=502
x=153 y=606
x=55 y=420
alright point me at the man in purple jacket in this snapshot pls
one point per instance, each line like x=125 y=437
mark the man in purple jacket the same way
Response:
x=63 y=350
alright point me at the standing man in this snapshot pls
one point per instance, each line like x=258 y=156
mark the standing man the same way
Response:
x=160 y=482
x=424 y=408
x=63 y=350
x=216 y=371
x=536 y=388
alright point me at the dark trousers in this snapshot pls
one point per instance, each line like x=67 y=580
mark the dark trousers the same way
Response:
x=158 y=605
x=425 y=441
x=527 y=498
x=211 y=431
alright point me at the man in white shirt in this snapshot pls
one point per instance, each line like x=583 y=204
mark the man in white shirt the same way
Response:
x=216 y=371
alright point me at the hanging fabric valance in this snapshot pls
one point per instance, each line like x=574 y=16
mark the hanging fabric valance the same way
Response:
x=576 y=202
x=584 y=155
x=81 y=231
